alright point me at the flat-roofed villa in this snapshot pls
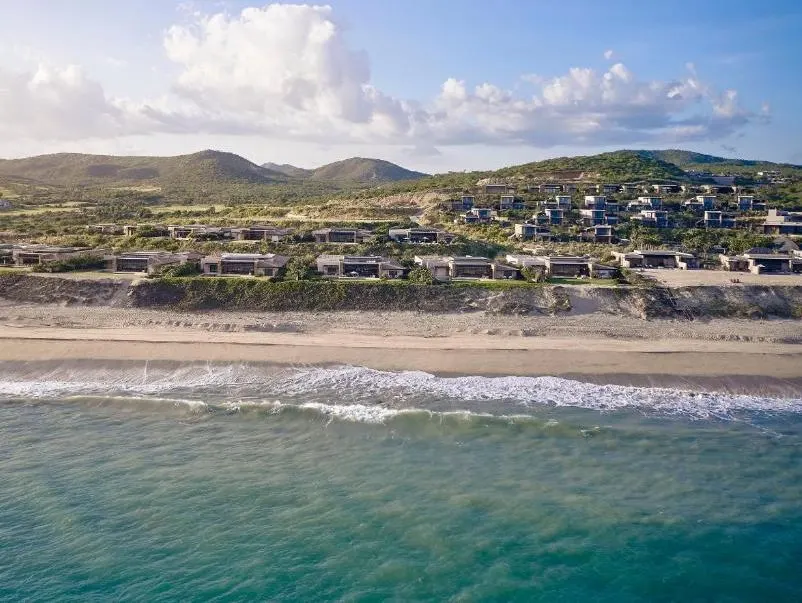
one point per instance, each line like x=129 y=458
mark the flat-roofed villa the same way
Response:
x=595 y=201
x=563 y=265
x=262 y=233
x=420 y=235
x=782 y=222
x=464 y=203
x=342 y=236
x=145 y=230
x=7 y=254
x=528 y=232
x=200 y=231
x=656 y=258
x=557 y=202
x=108 y=229
x=244 y=264
x=352 y=266
x=748 y=203
x=650 y=202
x=32 y=255
x=655 y=218
x=498 y=188
x=762 y=261
x=148 y=262
x=445 y=268
x=601 y=233
x=718 y=219
x=507 y=202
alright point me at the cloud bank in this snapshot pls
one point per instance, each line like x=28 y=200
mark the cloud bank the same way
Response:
x=288 y=71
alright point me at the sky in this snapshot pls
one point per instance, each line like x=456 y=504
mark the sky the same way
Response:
x=434 y=85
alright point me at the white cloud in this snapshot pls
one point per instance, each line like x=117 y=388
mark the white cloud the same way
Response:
x=287 y=71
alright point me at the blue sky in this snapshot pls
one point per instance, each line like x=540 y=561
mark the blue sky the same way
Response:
x=435 y=85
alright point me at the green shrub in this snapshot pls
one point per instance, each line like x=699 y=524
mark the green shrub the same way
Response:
x=421 y=276
x=79 y=262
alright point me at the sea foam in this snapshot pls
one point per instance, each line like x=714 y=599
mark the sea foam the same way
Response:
x=370 y=395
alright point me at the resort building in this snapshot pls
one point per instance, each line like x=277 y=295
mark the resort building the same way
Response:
x=464 y=203
x=650 y=202
x=656 y=258
x=554 y=217
x=420 y=236
x=654 y=218
x=262 y=233
x=530 y=232
x=445 y=268
x=145 y=230
x=601 y=233
x=496 y=188
x=477 y=215
x=510 y=202
x=7 y=254
x=107 y=229
x=349 y=266
x=557 y=202
x=782 y=222
x=718 y=219
x=593 y=217
x=563 y=266
x=244 y=264
x=762 y=261
x=148 y=262
x=32 y=255
x=595 y=201
x=342 y=236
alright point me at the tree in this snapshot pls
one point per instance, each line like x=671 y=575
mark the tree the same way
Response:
x=299 y=269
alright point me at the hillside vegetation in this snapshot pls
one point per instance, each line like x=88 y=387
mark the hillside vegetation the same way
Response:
x=355 y=169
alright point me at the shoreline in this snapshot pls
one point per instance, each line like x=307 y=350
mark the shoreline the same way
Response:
x=734 y=367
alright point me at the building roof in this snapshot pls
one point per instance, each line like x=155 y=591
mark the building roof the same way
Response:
x=659 y=252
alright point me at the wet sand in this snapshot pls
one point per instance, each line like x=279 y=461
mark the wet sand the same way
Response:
x=742 y=367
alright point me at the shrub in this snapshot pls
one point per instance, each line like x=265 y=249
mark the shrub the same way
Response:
x=79 y=262
x=186 y=269
x=421 y=275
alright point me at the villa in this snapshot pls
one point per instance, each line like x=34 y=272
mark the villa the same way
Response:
x=600 y=233
x=529 y=232
x=243 y=264
x=262 y=233
x=148 y=262
x=718 y=219
x=445 y=268
x=782 y=222
x=32 y=255
x=563 y=266
x=760 y=261
x=419 y=236
x=342 y=236
x=656 y=258
x=654 y=218
x=348 y=266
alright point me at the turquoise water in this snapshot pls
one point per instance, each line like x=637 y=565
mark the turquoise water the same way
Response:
x=233 y=483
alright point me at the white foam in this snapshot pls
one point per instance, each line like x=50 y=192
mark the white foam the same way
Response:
x=356 y=390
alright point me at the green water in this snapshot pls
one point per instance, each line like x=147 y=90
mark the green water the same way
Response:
x=120 y=500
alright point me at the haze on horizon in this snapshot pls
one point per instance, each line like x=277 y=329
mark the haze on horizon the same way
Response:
x=434 y=87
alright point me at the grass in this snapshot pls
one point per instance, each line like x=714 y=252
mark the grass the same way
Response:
x=35 y=211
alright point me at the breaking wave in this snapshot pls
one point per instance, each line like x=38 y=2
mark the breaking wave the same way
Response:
x=367 y=395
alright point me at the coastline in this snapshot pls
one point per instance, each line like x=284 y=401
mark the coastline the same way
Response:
x=699 y=365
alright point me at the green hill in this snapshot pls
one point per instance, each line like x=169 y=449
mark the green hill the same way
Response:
x=287 y=169
x=204 y=168
x=363 y=170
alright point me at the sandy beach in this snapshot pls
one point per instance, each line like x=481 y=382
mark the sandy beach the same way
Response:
x=743 y=356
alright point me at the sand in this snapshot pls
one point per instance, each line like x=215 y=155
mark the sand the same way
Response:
x=732 y=355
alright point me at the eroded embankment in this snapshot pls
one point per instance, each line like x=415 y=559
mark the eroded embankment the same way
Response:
x=742 y=301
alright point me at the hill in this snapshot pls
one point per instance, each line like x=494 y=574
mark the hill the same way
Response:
x=363 y=170
x=74 y=169
x=617 y=166
x=688 y=160
x=287 y=169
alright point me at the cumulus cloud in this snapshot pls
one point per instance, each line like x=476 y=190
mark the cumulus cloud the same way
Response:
x=55 y=103
x=283 y=67
x=289 y=71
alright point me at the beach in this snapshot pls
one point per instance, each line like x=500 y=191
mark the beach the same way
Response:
x=739 y=356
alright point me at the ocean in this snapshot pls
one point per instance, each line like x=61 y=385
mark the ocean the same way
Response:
x=245 y=482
